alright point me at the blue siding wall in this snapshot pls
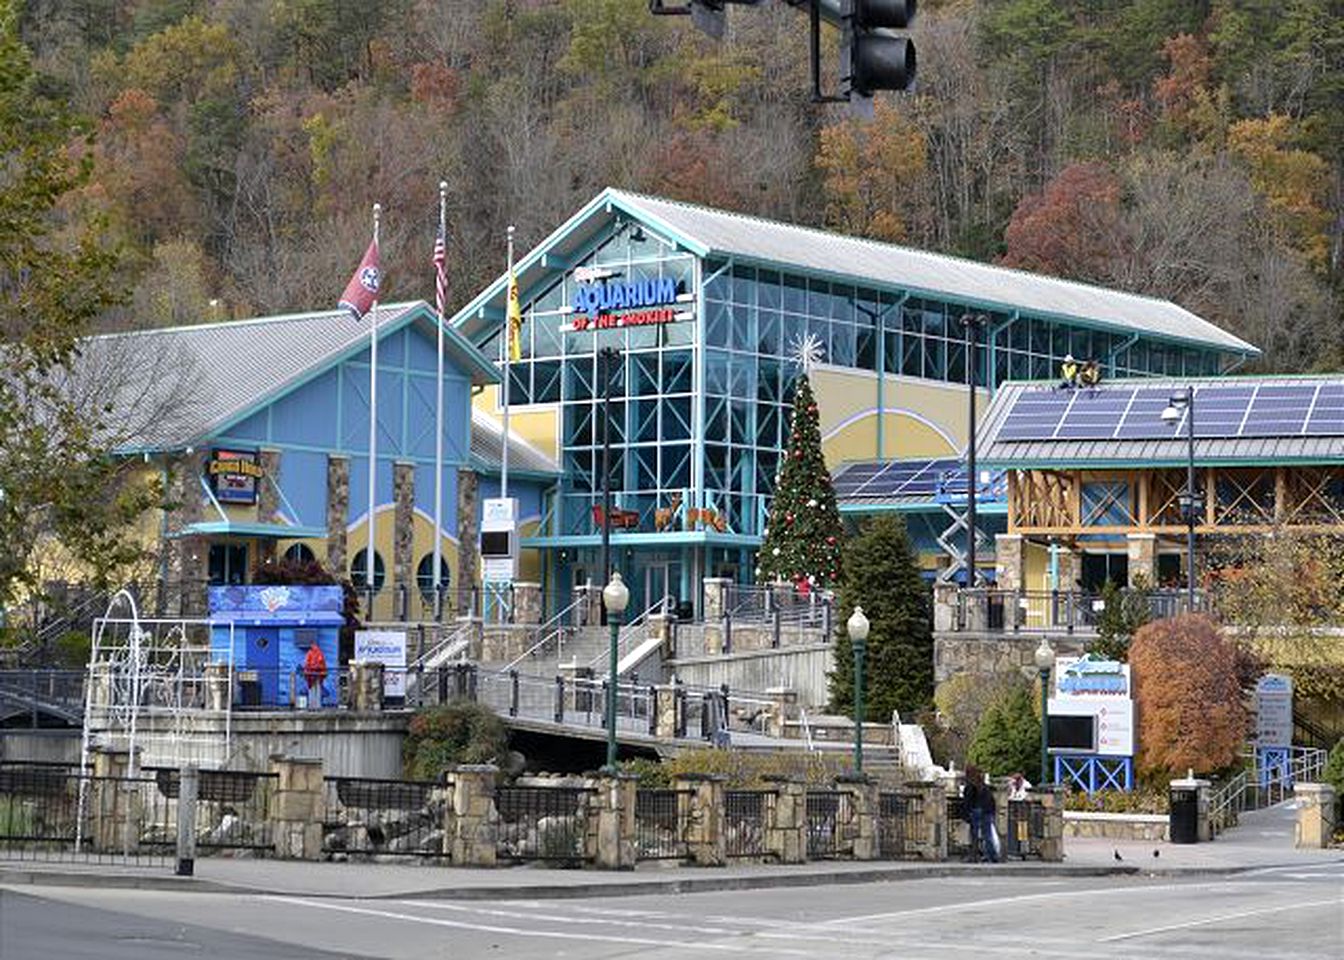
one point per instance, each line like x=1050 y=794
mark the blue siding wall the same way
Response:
x=528 y=493
x=303 y=478
x=424 y=495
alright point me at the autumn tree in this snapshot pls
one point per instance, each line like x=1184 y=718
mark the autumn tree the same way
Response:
x=1188 y=698
x=873 y=174
x=1072 y=228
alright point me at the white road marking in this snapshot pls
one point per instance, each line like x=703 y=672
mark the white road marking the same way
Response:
x=521 y=932
x=558 y=918
x=1336 y=901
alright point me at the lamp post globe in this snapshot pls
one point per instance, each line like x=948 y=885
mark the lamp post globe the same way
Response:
x=1045 y=660
x=857 y=629
x=615 y=597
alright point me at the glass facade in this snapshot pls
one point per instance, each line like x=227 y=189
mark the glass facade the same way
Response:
x=700 y=402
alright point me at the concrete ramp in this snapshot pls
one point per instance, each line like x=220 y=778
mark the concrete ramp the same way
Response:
x=914 y=747
x=637 y=655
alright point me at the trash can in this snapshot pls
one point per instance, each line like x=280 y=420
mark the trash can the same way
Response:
x=1184 y=815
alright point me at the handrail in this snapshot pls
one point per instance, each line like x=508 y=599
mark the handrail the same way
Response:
x=558 y=624
x=457 y=640
x=807 y=730
x=627 y=631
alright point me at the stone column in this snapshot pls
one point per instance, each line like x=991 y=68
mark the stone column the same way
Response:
x=611 y=821
x=930 y=839
x=116 y=813
x=944 y=607
x=366 y=686
x=786 y=821
x=1051 y=845
x=1142 y=558
x=468 y=547
x=297 y=808
x=1315 y=826
x=217 y=686
x=471 y=824
x=403 y=529
x=188 y=557
x=338 y=511
x=268 y=487
x=705 y=826
x=860 y=829
x=1008 y=561
x=716 y=597
x=665 y=710
x=579 y=697
x=526 y=602
x=784 y=707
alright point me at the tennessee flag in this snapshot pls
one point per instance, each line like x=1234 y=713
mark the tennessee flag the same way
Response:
x=362 y=290
x=515 y=322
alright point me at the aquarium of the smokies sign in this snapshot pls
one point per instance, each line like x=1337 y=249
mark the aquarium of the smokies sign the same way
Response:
x=615 y=303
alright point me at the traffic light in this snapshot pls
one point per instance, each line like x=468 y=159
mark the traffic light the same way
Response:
x=872 y=58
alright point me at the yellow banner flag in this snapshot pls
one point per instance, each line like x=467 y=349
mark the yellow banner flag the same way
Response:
x=515 y=322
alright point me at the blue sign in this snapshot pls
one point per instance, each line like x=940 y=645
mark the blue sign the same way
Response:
x=277 y=602
x=594 y=298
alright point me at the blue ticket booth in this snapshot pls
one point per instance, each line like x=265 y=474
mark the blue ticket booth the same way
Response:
x=265 y=633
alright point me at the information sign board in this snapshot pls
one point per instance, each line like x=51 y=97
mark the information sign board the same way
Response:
x=1274 y=711
x=387 y=647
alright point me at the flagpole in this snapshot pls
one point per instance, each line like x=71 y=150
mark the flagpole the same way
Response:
x=438 y=423
x=373 y=431
x=507 y=341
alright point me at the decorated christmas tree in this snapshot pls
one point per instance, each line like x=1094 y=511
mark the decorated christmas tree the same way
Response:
x=802 y=539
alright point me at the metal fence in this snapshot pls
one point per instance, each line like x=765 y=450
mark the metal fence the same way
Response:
x=368 y=817
x=827 y=813
x=658 y=824
x=232 y=807
x=1059 y=611
x=45 y=698
x=542 y=823
x=56 y=812
x=744 y=821
x=899 y=816
x=779 y=604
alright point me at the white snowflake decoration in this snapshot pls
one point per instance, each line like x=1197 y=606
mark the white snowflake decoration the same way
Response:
x=806 y=351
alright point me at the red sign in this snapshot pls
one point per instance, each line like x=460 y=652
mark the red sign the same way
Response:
x=643 y=318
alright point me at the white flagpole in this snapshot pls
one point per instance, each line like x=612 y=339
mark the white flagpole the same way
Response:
x=508 y=335
x=373 y=426
x=438 y=420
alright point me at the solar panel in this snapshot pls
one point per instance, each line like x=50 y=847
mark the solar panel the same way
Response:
x=1135 y=413
x=891 y=478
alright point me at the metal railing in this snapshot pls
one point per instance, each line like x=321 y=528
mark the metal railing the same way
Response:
x=827 y=813
x=368 y=817
x=778 y=603
x=991 y=610
x=744 y=814
x=542 y=823
x=232 y=807
x=899 y=816
x=628 y=632
x=658 y=824
x=554 y=631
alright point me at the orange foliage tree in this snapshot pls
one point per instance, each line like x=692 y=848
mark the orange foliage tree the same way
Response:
x=1188 y=698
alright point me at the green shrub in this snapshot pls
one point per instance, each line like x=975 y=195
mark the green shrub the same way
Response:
x=744 y=771
x=456 y=732
x=1334 y=768
x=72 y=649
x=1142 y=800
x=961 y=702
x=1122 y=614
x=1008 y=737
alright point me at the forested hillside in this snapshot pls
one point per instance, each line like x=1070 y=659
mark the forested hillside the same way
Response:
x=1191 y=150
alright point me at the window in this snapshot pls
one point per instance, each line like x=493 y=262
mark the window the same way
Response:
x=228 y=564
x=357 y=570
x=300 y=553
x=424 y=576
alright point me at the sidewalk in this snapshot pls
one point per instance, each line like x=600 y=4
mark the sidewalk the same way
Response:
x=1259 y=843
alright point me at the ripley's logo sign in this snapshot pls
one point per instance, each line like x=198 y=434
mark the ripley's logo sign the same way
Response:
x=1093 y=676
x=592 y=303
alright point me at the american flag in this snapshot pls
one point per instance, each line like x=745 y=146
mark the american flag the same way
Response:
x=440 y=278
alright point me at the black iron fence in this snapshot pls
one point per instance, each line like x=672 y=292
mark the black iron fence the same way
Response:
x=993 y=610
x=1026 y=829
x=744 y=822
x=659 y=819
x=899 y=819
x=367 y=817
x=543 y=823
x=232 y=807
x=828 y=811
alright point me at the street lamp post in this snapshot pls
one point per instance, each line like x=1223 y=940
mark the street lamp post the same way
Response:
x=1045 y=659
x=606 y=355
x=1185 y=401
x=615 y=595
x=857 y=628
x=973 y=323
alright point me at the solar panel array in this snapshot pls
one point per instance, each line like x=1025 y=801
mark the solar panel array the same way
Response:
x=1135 y=413
x=943 y=478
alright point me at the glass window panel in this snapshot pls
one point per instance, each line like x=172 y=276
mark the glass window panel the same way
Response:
x=1080 y=344
x=678 y=334
x=740 y=418
x=843 y=344
x=956 y=361
x=520 y=383
x=865 y=348
x=641 y=338
x=744 y=285
x=911 y=321
x=1041 y=367
x=677 y=371
x=767 y=379
x=578 y=341
x=675 y=468
x=795 y=295
x=867 y=306
x=677 y=418
x=891 y=347
x=716 y=325
x=767 y=289
x=767 y=425
x=842 y=303
x=935 y=358
x=932 y=321
x=1059 y=341
x=821 y=329
x=579 y=378
x=769 y=325
x=644 y=375
x=742 y=376
x=579 y=425
x=912 y=355
x=617 y=414
x=579 y=470
x=1019 y=366
x=546 y=381
x=546 y=336
x=1000 y=366
x=716 y=373
x=741 y=336
x=716 y=419
x=717 y=287
x=818 y=298
x=1018 y=335
x=646 y=420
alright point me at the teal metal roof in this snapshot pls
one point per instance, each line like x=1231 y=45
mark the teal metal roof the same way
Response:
x=708 y=232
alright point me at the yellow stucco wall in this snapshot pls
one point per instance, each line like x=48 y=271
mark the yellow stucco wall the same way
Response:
x=538 y=425
x=1035 y=566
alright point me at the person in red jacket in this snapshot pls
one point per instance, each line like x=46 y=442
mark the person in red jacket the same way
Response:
x=314 y=672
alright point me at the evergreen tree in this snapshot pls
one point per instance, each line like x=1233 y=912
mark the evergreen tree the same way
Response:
x=881 y=576
x=802 y=539
x=1008 y=737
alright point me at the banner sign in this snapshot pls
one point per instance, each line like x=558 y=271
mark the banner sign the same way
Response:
x=387 y=647
x=1274 y=711
x=1090 y=686
x=594 y=302
x=234 y=475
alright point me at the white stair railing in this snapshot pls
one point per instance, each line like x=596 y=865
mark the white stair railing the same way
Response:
x=627 y=634
x=552 y=629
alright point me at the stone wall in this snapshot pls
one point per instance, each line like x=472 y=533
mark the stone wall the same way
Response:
x=338 y=511
x=403 y=527
x=1141 y=827
x=467 y=533
x=994 y=655
x=188 y=557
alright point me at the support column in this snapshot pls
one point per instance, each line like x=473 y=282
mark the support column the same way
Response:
x=338 y=511
x=268 y=488
x=1052 y=832
x=786 y=820
x=611 y=821
x=1315 y=826
x=665 y=711
x=468 y=547
x=403 y=529
x=1142 y=558
x=705 y=827
x=860 y=830
x=716 y=597
x=930 y=838
x=297 y=808
x=115 y=810
x=1008 y=568
x=527 y=603
x=783 y=708
x=471 y=823
x=366 y=686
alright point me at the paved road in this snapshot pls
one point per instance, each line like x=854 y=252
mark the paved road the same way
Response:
x=1283 y=913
